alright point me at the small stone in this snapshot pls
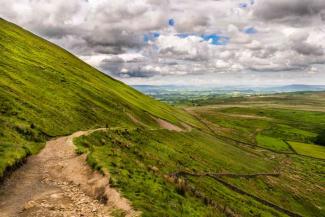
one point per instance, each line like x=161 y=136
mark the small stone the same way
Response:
x=56 y=196
x=29 y=205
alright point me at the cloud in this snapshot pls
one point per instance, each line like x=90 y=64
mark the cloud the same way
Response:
x=142 y=40
x=305 y=48
x=102 y=26
x=296 y=12
x=300 y=44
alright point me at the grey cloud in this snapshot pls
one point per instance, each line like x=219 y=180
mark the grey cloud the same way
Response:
x=118 y=67
x=113 y=65
x=192 y=23
x=105 y=27
x=308 y=49
x=322 y=15
x=293 y=11
x=140 y=73
x=299 y=44
x=56 y=31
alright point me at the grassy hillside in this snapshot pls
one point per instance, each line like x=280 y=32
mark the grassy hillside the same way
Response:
x=253 y=161
x=142 y=162
x=46 y=91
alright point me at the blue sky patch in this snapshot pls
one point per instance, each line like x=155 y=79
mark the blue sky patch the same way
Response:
x=171 y=22
x=184 y=35
x=152 y=36
x=216 y=39
x=155 y=34
x=250 y=30
x=243 y=5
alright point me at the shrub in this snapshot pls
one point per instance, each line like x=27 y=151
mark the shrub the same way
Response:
x=320 y=139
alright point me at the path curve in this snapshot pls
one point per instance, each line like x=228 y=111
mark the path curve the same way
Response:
x=58 y=182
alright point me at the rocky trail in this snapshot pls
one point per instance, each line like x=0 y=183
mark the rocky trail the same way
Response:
x=58 y=182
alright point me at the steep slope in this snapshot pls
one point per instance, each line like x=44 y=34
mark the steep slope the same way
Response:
x=45 y=92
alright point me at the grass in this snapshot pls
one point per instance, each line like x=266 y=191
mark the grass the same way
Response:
x=304 y=120
x=272 y=143
x=45 y=92
x=267 y=123
x=311 y=150
x=246 y=123
x=140 y=162
x=315 y=101
x=118 y=213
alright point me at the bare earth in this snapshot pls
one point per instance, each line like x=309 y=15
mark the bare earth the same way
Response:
x=57 y=182
x=169 y=126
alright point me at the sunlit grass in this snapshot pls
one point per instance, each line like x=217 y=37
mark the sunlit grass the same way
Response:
x=272 y=143
x=309 y=149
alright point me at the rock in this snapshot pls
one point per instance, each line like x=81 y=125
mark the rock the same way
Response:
x=29 y=205
x=56 y=196
x=153 y=168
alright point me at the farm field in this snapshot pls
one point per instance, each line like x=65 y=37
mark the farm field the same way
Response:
x=308 y=149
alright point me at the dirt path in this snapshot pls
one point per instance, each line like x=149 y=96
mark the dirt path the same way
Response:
x=57 y=182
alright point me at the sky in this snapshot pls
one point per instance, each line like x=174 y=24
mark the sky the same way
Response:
x=186 y=42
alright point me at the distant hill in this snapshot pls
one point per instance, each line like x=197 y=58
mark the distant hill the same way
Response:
x=174 y=88
x=295 y=88
x=45 y=91
x=180 y=94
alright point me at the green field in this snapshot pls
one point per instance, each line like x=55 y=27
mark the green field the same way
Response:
x=311 y=150
x=272 y=143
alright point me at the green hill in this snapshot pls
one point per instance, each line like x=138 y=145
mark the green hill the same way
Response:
x=186 y=172
x=45 y=92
